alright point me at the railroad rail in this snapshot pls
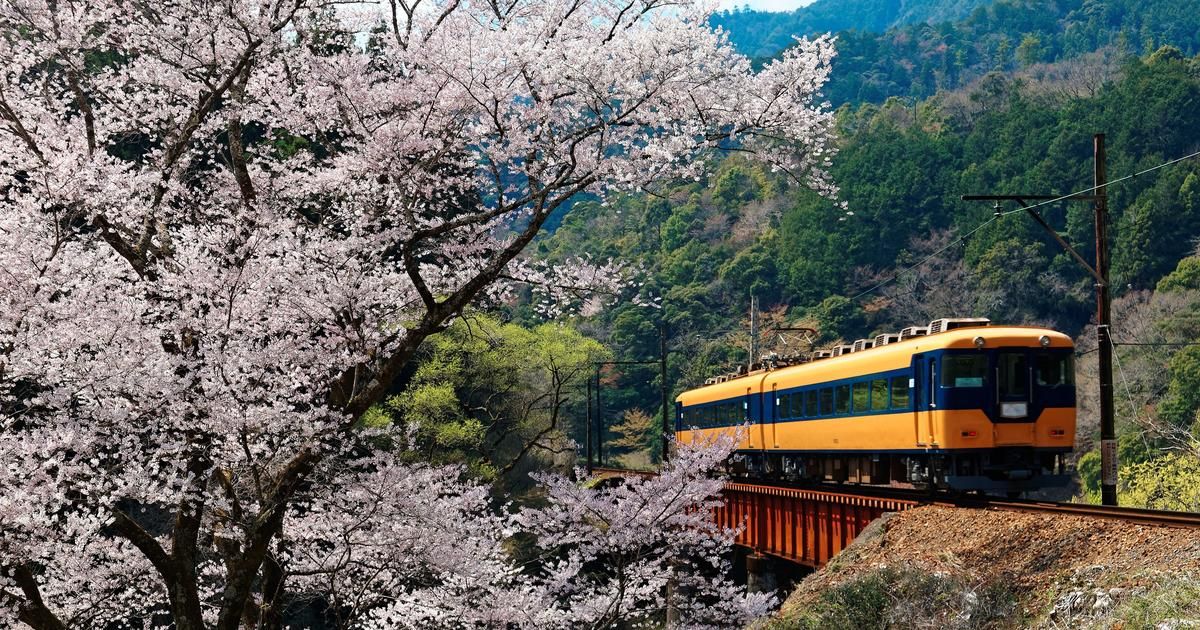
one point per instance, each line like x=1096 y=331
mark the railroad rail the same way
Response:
x=810 y=524
x=1129 y=515
x=1139 y=516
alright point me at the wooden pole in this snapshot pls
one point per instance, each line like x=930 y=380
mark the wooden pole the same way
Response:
x=1108 y=434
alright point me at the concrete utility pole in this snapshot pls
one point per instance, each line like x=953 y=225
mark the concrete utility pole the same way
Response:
x=1099 y=198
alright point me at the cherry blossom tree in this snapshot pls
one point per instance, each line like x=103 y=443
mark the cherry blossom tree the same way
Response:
x=227 y=226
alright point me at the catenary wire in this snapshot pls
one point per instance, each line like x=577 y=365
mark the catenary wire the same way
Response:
x=1104 y=185
x=999 y=214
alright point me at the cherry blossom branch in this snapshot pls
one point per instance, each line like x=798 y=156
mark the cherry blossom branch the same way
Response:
x=33 y=610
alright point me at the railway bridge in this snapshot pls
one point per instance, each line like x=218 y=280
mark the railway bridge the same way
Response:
x=801 y=526
x=808 y=527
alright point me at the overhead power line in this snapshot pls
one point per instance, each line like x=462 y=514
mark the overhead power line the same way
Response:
x=1085 y=191
x=999 y=214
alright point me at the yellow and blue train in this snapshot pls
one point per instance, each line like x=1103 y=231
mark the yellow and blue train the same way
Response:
x=959 y=404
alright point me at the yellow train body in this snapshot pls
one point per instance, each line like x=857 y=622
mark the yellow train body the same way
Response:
x=984 y=408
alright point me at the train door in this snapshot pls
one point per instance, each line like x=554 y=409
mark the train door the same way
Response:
x=754 y=429
x=924 y=395
x=772 y=408
x=1013 y=383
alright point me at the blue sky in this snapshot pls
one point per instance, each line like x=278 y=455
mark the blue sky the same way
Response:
x=766 y=5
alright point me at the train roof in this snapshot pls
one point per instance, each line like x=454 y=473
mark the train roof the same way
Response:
x=892 y=356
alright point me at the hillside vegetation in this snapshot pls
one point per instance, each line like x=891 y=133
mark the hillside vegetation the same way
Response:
x=915 y=49
x=765 y=33
x=905 y=249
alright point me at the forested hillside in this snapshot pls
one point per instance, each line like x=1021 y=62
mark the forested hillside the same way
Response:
x=706 y=246
x=765 y=33
x=926 y=50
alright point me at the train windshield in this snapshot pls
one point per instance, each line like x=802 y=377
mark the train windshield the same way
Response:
x=1054 y=370
x=1013 y=370
x=964 y=370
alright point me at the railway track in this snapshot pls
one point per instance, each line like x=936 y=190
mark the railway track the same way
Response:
x=916 y=498
x=1127 y=514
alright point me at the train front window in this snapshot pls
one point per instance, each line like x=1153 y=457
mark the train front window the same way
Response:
x=963 y=370
x=1053 y=370
x=1014 y=374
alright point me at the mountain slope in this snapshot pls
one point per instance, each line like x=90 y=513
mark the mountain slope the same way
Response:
x=919 y=57
x=765 y=33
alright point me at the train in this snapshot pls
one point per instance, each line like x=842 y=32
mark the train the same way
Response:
x=959 y=405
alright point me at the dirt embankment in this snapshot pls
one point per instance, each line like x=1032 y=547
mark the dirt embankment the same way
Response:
x=1055 y=571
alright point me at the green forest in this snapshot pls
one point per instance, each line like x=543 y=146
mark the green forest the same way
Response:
x=898 y=247
x=913 y=50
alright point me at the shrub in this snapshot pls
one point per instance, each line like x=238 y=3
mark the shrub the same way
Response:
x=893 y=597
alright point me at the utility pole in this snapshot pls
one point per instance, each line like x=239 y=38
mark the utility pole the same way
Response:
x=1108 y=433
x=661 y=361
x=753 y=332
x=599 y=421
x=662 y=375
x=588 y=423
x=1099 y=198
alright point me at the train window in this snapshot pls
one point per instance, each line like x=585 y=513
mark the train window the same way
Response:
x=810 y=404
x=1054 y=370
x=841 y=399
x=826 y=402
x=797 y=405
x=963 y=370
x=899 y=392
x=862 y=396
x=1014 y=374
x=879 y=394
x=781 y=404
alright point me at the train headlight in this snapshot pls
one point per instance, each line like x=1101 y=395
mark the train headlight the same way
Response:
x=979 y=341
x=1044 y=340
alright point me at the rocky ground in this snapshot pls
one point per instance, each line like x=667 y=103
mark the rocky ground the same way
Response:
x=946 y=567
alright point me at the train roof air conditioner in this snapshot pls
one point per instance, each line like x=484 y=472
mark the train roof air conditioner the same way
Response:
x=863 y=344
x=913 y=331
x=948 y=323
x=886 y=338
x=842 y=349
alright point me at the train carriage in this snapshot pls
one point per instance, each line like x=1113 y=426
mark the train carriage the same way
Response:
x=961 y=404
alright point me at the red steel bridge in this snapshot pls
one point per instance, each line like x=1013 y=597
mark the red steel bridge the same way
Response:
x=810 y=526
